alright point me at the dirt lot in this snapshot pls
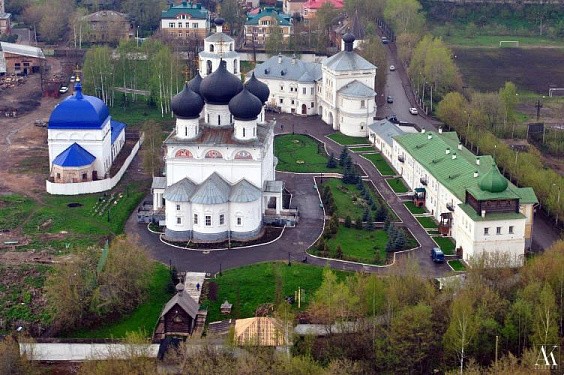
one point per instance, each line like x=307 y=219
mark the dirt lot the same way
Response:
x=24 y=145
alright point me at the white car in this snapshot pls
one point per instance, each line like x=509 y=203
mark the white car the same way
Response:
x=413 y=111
x=64 y=89
x=392 y=68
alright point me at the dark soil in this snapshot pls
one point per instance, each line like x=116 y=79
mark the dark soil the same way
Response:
x=531 y=69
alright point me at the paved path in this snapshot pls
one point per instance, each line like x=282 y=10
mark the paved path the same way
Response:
x=295 y=241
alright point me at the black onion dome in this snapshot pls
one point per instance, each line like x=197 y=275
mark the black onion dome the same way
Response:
x=245 y=106
x=220 y=86
x=258 y=88
x=194 y=83
x=187 y=104
x=219 y=21
x=348 y=38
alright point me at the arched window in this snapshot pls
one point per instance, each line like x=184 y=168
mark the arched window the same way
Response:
x=209 y=70
x=211 y=47
x=235 y=66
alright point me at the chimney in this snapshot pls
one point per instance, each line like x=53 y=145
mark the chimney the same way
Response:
x=476 y=174
x=454 y=155
x=477 y=161
x=447 y=150
x=279 y=58
x=460 y=145
x=440 y=130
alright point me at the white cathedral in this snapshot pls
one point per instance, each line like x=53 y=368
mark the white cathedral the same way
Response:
x=219 y=160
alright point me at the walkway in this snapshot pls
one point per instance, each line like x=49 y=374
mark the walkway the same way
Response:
x=295 y=241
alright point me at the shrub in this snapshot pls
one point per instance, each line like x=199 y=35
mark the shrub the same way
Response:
x=348 y=222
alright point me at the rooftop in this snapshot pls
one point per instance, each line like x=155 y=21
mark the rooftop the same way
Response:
x=455 y=169
x=288 y=69
x=347 y=61
x=21 y=49
x=194 y=11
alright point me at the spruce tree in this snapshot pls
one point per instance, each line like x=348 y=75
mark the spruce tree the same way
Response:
x=332 y=163
x=358 y=223
x=339 y=252
x=344 y=156
x=348 y=222
x=366 y=215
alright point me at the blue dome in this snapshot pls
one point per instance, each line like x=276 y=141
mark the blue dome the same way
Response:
x=187 y=104
x=220 y=86
x=79 y=112
x=245 y=106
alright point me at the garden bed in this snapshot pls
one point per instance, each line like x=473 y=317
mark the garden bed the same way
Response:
x=301 y=153
x=346 y=140
x=414 y=209
x=380 y=163
x=427 y=222
x=397 y=185
x=362 y=149
x=457 y=265
x=446 y=244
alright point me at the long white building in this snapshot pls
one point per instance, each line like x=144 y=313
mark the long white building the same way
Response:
x=340 y=89
x=469 y=197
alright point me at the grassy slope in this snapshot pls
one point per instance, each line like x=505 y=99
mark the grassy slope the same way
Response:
x=290 y=148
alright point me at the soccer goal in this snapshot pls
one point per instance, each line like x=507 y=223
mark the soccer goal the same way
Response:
x=509 y=43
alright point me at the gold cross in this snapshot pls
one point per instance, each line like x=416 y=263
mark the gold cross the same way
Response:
x=77 y=72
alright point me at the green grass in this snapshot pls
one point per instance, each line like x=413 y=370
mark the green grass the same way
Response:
x=397 y=185
x=144 y=318
x=13 y=210
x=345 y=140
x=381 y=164
x=457 y=265
x=301 y=153
x=446 y=244
x=414 y=209
x=348 y=199
x=362 y=149
x=250 y=286
x=136 y=113
x=360 y=245
x=427 y=222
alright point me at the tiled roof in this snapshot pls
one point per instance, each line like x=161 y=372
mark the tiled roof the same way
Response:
x=186 y=302
x=317 y=4
x=357 y=89
x=282 y=18
x=386 y=130
x=288 y=69
x=347 y=61
x=214 y=190
x=457 y=175
x=244 y=191
x=74 y=156
x=196 y=11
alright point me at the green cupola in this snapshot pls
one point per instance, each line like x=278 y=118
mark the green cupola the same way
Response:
x=493 y=181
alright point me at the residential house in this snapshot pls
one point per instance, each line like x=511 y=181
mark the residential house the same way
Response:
x=259 y=26
x=187 y=20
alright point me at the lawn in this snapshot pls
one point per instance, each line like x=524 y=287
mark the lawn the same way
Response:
x=250 y=286
x=381 y=164
x=457 y=265
x=414 y=209
x=54 y=225
x=427 y=222
x=359 y=245
x=397 y=185
x=346 y=140
x=460 y=39
x=144 y=318
x=301 y=153
x=135 y=113
x=446 y=244
x=362 y=149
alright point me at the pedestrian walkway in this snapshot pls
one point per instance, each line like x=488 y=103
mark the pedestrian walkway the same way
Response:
x=193 y=282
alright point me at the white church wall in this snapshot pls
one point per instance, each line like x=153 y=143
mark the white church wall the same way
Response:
x=187 y=128
x=218 y=115
x=92 y=186
x=245 y=217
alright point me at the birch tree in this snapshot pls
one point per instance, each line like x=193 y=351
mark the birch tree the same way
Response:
x=462 y=328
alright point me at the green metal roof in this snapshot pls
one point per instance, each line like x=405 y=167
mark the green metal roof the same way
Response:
x=457 y=175
x=194 y=10
x=471 y=212
x=282 y=18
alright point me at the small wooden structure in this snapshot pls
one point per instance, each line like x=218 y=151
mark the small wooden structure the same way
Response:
x=226 y=307
x=419 y=197
x=179 y=316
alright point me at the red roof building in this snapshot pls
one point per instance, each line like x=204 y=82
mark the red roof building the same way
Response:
x=311 y=6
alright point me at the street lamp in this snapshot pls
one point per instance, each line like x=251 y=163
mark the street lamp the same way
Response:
x=137 y=36
x=557 y=204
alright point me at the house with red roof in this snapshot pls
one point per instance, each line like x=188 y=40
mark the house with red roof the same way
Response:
x=312 y=6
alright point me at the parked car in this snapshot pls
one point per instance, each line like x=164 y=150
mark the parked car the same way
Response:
x=385 y=40
x=392 y=68
x=390 y=99
x=413 y=111
x=437 y=255
x=72 y=79
x=393 y=119
x=63 y=89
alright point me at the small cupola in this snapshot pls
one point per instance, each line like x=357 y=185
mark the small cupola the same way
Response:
x=348 y=39
x=493 y=181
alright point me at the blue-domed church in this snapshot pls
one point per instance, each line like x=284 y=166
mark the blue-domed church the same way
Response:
x=219 y=160
x=83 y=144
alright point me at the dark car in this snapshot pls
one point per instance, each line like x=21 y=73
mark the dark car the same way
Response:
x=390 y=99
x=437 y=255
